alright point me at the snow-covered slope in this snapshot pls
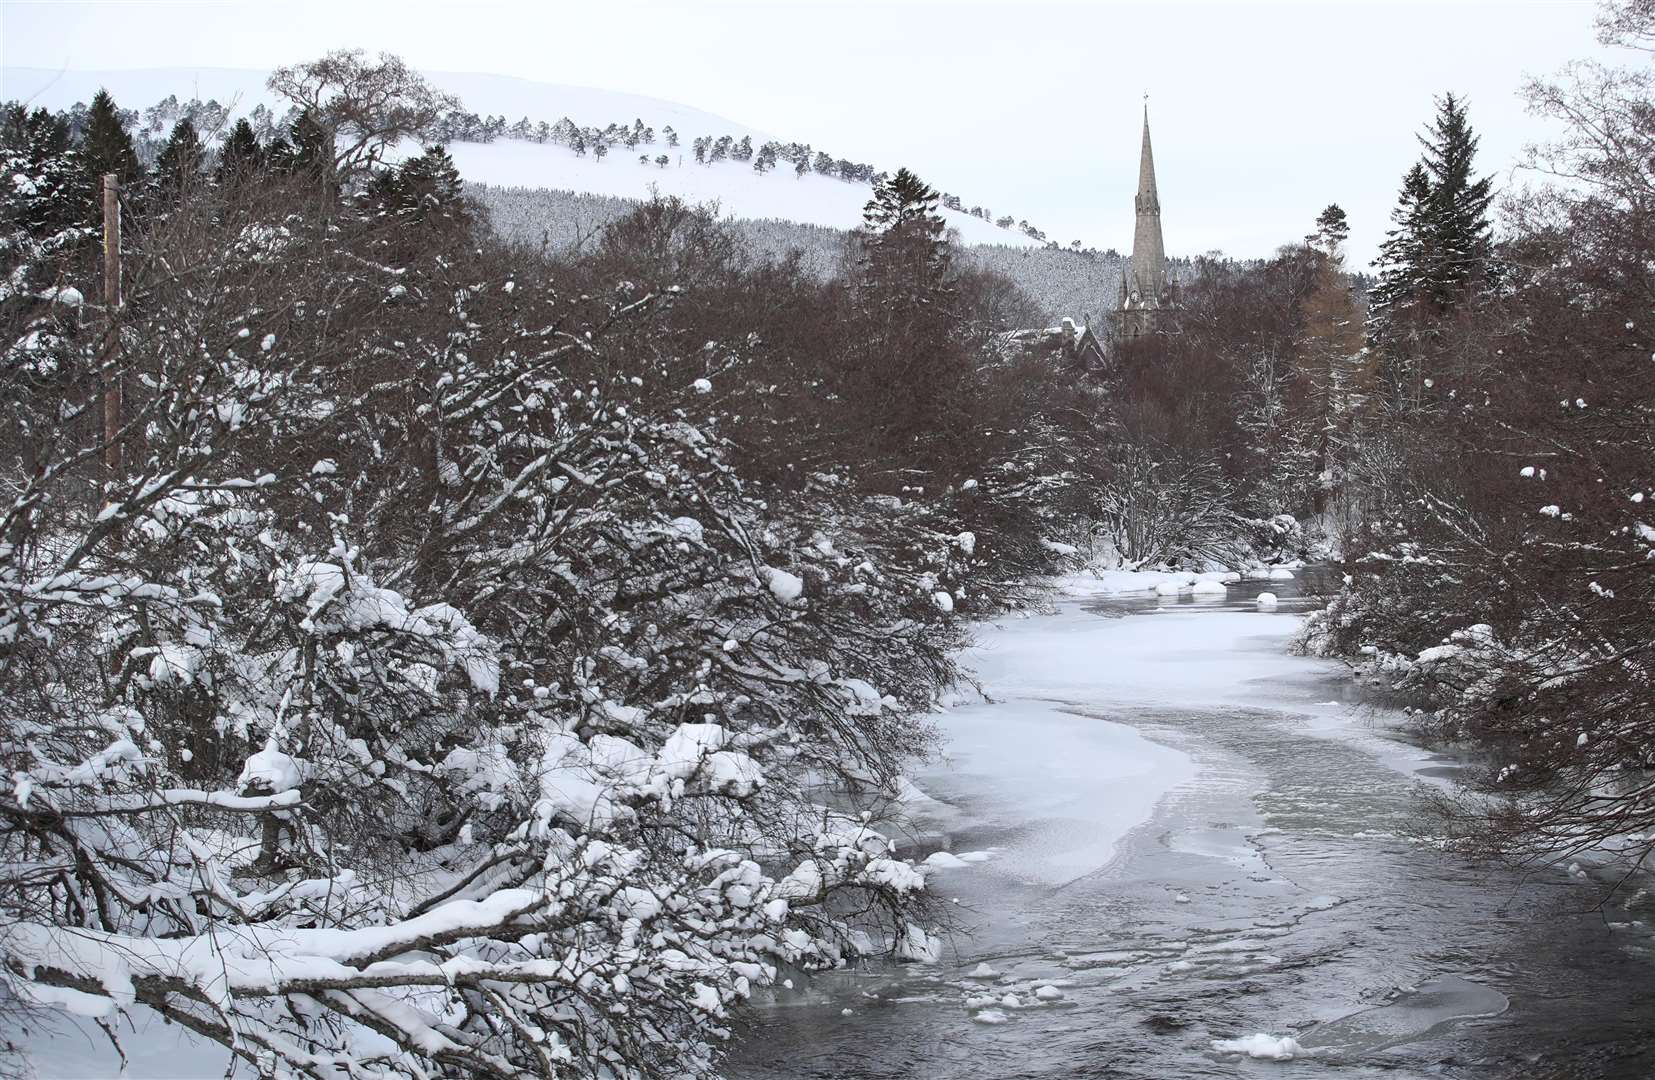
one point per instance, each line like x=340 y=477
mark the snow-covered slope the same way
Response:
x=739 y=191
x=482 y=94
x=812 y=199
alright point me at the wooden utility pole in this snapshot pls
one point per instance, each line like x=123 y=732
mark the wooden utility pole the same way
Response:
x=112 y=313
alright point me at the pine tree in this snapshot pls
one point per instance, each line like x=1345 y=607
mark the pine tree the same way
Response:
x=1462 y=246
x=37 y=148
x=106 y=147
x=44 y=232
x=1332 y=230
x=907 y=371
x=1440 y=251
x=430 y=186
x=1403 y=259
x=178 y=168
x=308 y=151
x=241 y=154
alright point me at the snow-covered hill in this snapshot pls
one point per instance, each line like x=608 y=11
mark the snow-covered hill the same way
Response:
x=740 y=192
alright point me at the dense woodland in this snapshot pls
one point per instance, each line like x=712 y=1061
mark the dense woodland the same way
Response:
x=429 y=653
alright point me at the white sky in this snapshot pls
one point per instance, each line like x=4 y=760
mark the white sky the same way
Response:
x=1262 y=113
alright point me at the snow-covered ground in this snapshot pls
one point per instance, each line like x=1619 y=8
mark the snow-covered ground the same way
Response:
x=739 y=191
x=67 y=1047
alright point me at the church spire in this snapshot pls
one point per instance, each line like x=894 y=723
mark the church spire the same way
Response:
x=1149 y=259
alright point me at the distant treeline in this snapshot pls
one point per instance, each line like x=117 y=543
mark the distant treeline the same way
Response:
x=1081 y=284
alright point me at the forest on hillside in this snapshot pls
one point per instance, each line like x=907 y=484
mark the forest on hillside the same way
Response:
x=1078 y=283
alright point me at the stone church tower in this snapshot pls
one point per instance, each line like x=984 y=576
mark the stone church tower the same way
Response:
x=1144 y=291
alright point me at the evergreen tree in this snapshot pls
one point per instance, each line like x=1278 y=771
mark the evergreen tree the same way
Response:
x=1459 y=224
x=671 y=136
x=308 y=151
x=1403 y=255
x=424 y=188
x=1332 y=230
x=178 y=168
x=1440 y=250
x=44 y=234
x=37 y=146
x=908 y=370
x=241 y=154
x=106 y=147
x=429 y=185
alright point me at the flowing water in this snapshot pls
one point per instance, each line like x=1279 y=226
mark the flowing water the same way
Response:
x=1267 y=887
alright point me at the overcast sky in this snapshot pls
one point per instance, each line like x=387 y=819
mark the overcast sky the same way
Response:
x=1262 y=112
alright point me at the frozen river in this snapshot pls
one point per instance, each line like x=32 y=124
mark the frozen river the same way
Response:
x=1196 y=837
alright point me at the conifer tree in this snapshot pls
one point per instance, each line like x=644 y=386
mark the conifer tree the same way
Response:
x=431 y=184
x=1440 y=250
x=909 y=361
x=1332 y=230
x=37 y=146
x=1403 y=255
x=241 y=154
x=178 y=167
x=106 y=147
x=307 y=153
x=1458 y=206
